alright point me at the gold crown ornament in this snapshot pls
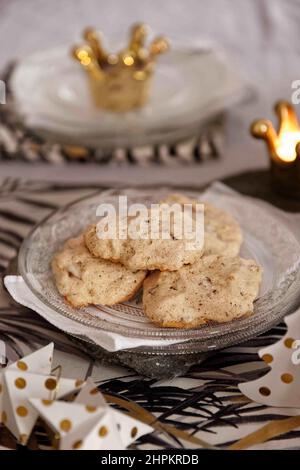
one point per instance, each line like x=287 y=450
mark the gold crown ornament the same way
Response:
x=120 y=82
x=281 y=144
x=284 y=149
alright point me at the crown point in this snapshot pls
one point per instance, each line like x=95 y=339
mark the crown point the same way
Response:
x=261 y=128
x=83 y=54
x=139 y=32
x=287 y=117
x=140 y=28
x=137 y=37
x=282 y=105
x=159 y=45
x=93 y=39
x=88 y=33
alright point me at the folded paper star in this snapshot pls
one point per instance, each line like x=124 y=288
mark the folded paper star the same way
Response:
x=89 y=423
x=29 y=378
x=280 y=386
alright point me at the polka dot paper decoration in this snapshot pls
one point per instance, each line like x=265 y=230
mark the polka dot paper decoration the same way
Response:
x=89 y=423
x=28 y=389
x=79 y=428
x=280 y=387
x=129 y=429
x=39 y=362
x=26 y=379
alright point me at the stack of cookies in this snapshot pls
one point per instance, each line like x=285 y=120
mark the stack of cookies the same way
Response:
x=182 y=288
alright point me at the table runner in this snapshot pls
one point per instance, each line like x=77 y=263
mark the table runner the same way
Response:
x=205 y=402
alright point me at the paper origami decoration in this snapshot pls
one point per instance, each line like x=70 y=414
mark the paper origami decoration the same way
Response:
x=30 y=378
x=88 y=423
x=29 y=390
x=280 y=387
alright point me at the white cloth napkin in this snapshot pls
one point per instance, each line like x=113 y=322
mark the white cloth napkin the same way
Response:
x=109 y=341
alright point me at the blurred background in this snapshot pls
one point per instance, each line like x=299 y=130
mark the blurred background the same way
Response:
x=260 y=37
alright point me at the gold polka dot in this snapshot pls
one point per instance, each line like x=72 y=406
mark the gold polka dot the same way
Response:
x=78 y=383
x=65 y=425
x=20 y=383
x=47 y=402
x=103 y=431
x=22 y=411
x=268 y=358
x=134 y=431
x=50 y=384
x=22 y=365
x=4 y=417
x=265 y=391
x=288 y=342
x=90 y=408
x=287 y=378
x=77 y=445
x=94 y=391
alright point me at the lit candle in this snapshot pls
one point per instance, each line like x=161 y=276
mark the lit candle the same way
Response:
x=283 y=147
x=286 y=145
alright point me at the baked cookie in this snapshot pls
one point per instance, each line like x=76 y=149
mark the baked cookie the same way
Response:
x=83 y=279
x=214 y=289
x=222 y=233
x=148 y=253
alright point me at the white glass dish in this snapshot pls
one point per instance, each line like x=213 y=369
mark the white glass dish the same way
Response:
x=190 y=87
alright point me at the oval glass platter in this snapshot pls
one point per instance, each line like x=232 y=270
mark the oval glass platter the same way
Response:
x=267 y=239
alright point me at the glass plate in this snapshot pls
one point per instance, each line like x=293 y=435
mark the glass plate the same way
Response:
x=190 y=86
x=266 y=239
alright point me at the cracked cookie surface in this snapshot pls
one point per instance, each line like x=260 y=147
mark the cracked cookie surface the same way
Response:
x=147 y=253
x=84 y=280
x=222 y=233
x=214 y=289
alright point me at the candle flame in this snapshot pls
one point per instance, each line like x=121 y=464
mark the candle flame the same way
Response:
x=286 y=145
x=282 y=144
